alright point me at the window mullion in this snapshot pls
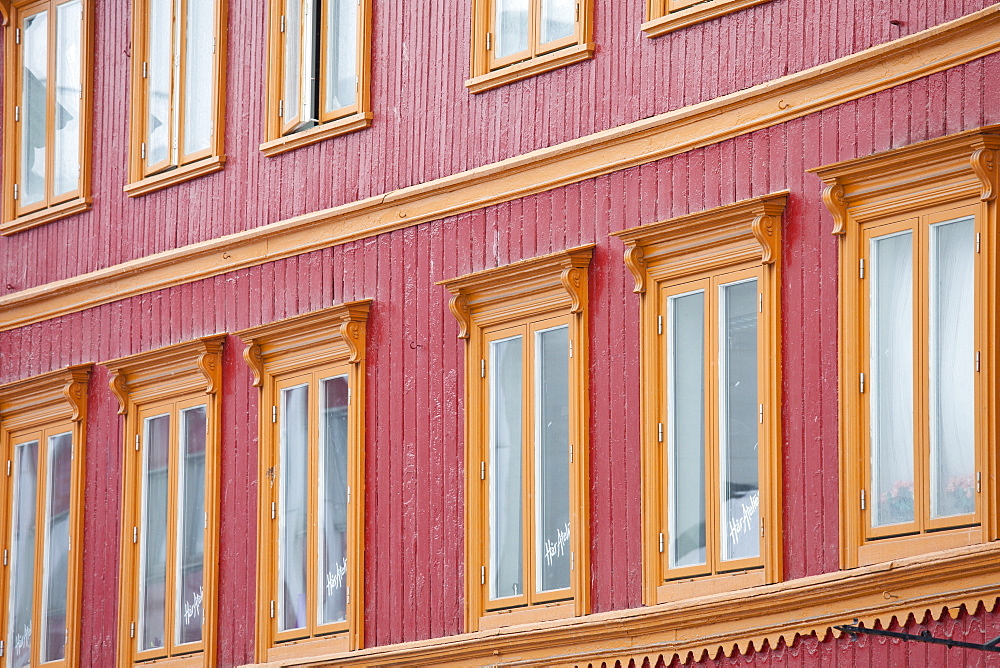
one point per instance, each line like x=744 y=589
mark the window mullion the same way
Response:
x=529 y=498
x=176 y=87
x=713 y=417
x=921 y=372
x=312 y=503
x=176 y=499
x=50 y=107
x=535 y=28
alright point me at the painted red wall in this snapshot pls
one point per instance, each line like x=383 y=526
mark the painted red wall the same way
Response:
x=427 y=124
x=414 y=417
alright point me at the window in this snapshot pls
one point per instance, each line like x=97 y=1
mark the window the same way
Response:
x=917 y=229
x=42 y=441
x=527 y=545
x=669 y=15
x=47 y=113
x=177 y=92
x=318 y=72
x=311 y=374
x=514 y=39
x=167 y=604
x=709 y=286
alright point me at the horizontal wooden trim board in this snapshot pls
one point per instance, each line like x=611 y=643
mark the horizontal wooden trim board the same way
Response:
x=733 y=621
x=765 y=105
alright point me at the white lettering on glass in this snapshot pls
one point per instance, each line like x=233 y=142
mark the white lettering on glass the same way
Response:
x=336 y=580
x=192 y=610
x=557 y=548
x=22 y=640
x=744 y=523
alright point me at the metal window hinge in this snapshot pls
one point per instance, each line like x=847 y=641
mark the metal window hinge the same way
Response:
x=977 y=360
x=572 y=561
x=17 y=113
x=979 y=481
x=282 y=28
x=348 y=493
x=135 y=535
x=659 y=432
x=274 y=414
x=659 y=324
x=862 y=375
x=8 y=467
x=213 y=46
x=142 y=150
x=861 y=268
x=281 y=108
x=760 y=302
x=760 y=413
x=482 y=368
x=5 y=557
x=348 y=592
x=272 y=609
x=977 y=242
x=482 y=575
x=144 y=69
x=1 y=647
x=137 y=442
x=274 y=510
x=661 y=542
x=862 y=499
x=482 y=470
x=206 y=520
x=571 y=348
x=15 y=191
x=571 y=453
x=578 y=12
x=348 y=396
x=762 y=527
x=489 y=41
x=17 y=36
x=131 y=630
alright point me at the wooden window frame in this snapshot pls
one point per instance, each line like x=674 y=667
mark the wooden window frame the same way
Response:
x=343 y=121
x=141 y=178
x=665 y=16
x=955 y=173
x=705 y=247
x=168 y=379
x=50 y=404
x=488 y=73
x=14 y=219
x=549 y=287
x=329 y=340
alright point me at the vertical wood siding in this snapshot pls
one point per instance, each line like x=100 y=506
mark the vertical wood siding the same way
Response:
x=414 y=416
x=426 y=124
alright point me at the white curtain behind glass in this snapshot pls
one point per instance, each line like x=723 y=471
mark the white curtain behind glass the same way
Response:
x=293 y=467
x=505 y=468
x=22 y=573
x=511 y=23
x=69 y=17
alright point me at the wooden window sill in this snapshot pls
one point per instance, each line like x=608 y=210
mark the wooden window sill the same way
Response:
x=888 y=549
x=532 y=615
x=37 y=218
x=529 y=68
x=703 y=11
x=195 y=660
x=678 y=590
x=341 y=126
x=309 y=648
x=174 y=176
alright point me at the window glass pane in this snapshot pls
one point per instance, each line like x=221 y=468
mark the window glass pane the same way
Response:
x=22 y=569
x=69 y=21
x=191 y=530
x=158 y=79
x=56 y=542
x=740 y=535
x=292 y=58
x=199 y=64
x=292 y=528
x=552 y=458
x=686 y=428
x=341 y=54
x=505 y=468
x=891 y=393
x=332 y=519
x=511 y=23
x=952 y=290
x=153 y=532
x=34 y=92
x=558 y=19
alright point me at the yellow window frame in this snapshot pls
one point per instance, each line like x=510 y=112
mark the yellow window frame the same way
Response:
x=665 y=16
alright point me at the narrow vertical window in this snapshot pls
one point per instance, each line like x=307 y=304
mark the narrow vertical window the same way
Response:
x=318 y=81
x=24 y=521
x=46 y=115
x=176 y=92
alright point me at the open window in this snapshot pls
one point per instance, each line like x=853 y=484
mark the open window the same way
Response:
x=169 y=545
x=319 y=58
x=527 y=533
x=918 y=369
x=311 y=373
x=46 y=113
x=709 y=286
x=42 y=441
x=178 y=92
x=515 y=39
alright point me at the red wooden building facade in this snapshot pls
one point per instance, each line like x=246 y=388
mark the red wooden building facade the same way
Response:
x=457 y=197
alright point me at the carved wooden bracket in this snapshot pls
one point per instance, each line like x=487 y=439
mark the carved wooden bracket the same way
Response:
x=119 y=387
x=5 y=11
x=459 y=306
x=75 y=392
x=210 y=365
x=255 y=360
x=833 y=198
x=635 y=260
x=985 y=167
x=572 y=280
x=353 y=333
x=765 y=230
